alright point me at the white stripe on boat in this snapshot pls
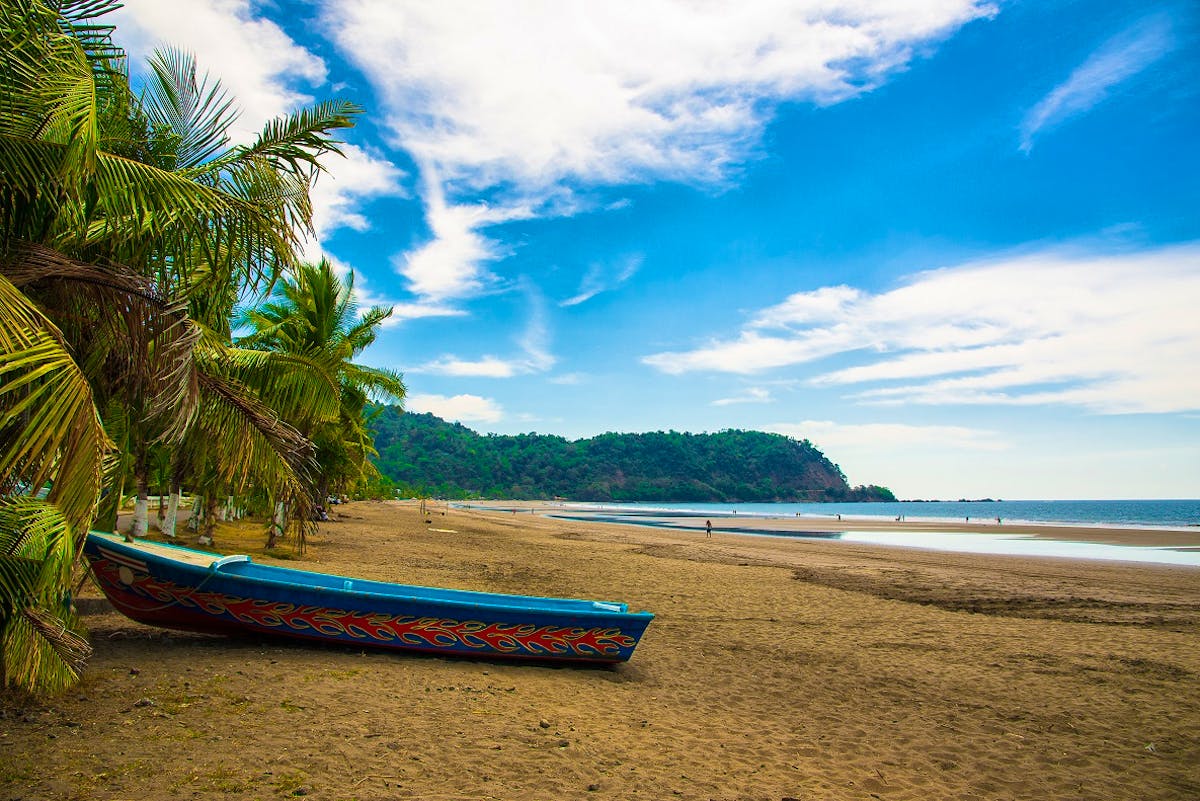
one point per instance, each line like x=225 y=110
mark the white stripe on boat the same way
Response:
x=122 y=559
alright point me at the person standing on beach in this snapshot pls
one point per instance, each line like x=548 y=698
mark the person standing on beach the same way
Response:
x=708 y=528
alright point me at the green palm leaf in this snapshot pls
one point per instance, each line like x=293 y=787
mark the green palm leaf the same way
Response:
x=40 y=648
x=197 y=113
x=49 y=429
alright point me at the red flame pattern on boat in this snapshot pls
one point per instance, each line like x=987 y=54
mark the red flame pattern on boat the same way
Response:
x=147 y=593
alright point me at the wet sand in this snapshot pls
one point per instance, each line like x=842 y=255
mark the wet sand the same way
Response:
x=776 y=668
x=1162 y=537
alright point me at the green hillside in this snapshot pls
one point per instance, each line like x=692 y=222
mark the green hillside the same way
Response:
x=423 y=453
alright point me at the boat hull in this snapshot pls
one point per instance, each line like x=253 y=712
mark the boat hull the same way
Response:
x=180 y=588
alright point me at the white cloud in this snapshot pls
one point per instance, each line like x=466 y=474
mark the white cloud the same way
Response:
x=833 y=437
x=346 y=182
x=604 y=277
x=486 y=367
x=1113 y=334
x=569 y=379
x=534 y=342
x=461 y=408
x=528 y=100
x=1116 y=61
x=751 y=395
x=751 y=352
x=450 y=265
x=256 y=61
x=417 y=311
x=531 y=93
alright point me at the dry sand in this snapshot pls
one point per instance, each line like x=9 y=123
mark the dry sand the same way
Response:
x=776 y=669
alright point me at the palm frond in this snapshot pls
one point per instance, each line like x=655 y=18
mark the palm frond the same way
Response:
x=197 y=111
x=152 y=334
x=77 y=18
x=295 y=143
x=379 y=383
x=362 y=334
x=295 y=386
x=53 y=70
x=49 y=429
x=40 y=647
x=250 y=435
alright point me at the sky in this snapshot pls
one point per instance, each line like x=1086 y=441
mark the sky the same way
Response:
x=955 y=244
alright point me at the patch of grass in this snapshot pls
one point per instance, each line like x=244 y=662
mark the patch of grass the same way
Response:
x=221 y=780
x=282 y=554
x=227 y=783
x=14 y=773
x=287 y=783
x=329 y=673
x=114 y=773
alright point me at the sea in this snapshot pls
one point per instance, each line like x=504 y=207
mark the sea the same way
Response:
x=1174 y=515
x=1132 y=514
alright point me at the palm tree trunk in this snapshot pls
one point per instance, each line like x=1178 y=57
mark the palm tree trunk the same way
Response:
x=278 y=522
x=168 y=524
x=197 y=516
x=210 y=520
x=141 y=478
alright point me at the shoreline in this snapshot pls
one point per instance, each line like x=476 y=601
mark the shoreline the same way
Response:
x=1138 y=536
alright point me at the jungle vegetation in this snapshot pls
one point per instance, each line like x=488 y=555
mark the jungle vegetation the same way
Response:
x=424 y=455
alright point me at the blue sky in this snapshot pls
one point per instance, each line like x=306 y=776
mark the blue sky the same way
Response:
x=955 y=244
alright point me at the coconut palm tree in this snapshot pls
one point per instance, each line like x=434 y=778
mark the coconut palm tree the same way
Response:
x=117 y=217
x=313 y=316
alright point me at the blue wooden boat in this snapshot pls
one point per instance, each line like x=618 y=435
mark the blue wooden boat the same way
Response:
x=181 y=588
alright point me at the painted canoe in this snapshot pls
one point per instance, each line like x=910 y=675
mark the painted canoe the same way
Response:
x=181 y=588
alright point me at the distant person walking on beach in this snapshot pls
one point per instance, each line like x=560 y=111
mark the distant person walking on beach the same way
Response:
x=708 y=528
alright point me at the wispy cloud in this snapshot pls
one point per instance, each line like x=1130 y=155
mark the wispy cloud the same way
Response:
x=841 y=437
x=451 y=264
x=461 y=408
x=751 y=395
x=402 y=311
x=338 y=193
x=1109 y=333
x=1114 y=62
x=605 y=277
x=534 y=342
x=484 y=367
x=529 y=94
x=528 y=101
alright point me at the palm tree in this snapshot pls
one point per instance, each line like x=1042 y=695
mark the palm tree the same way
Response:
x=117 y=218
x=312 y=316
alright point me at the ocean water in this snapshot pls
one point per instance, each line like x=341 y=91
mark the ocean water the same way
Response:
x=1166 y=514
x=1017 y=545
x=1155 y=514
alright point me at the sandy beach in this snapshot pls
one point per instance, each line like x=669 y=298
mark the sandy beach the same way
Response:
x=775 y=669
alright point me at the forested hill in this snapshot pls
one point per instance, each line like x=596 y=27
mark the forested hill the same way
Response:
x=423 y=453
